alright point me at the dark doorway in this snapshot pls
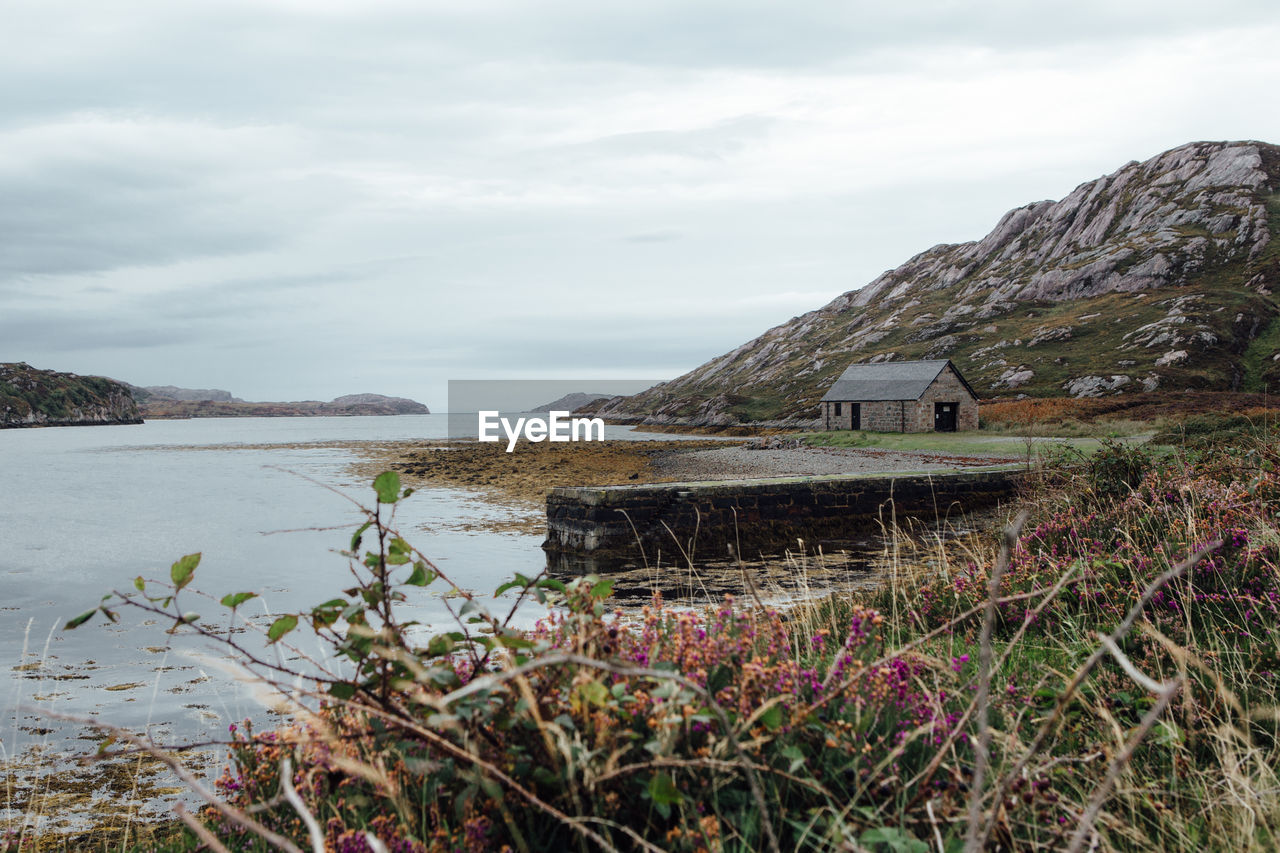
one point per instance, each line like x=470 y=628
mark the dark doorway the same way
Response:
x=855 y=416
x=944 y=416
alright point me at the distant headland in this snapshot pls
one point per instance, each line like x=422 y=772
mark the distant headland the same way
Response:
x=31 y=397
x=166 y=401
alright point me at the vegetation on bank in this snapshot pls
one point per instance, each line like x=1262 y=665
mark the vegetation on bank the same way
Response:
x=1104 y=674
x=33 y=397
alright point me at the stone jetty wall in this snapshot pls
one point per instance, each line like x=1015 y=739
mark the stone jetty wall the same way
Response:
x=755 y=515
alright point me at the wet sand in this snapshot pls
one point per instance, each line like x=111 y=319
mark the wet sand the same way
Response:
x=526 y=474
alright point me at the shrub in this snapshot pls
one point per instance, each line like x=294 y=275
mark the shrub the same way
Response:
x=972 y=706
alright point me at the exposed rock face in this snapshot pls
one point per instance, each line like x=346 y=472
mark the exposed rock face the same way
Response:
x=172 y=392
x=570 y=402
x=351 y=404
x=31 y=397
x=1158 y=275
x=397 y=405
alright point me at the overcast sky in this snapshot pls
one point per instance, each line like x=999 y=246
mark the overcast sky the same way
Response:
x=307 y=198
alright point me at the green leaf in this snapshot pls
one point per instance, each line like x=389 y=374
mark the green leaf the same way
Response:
x=662 y=789
x=795 y=756
x=421 y=575
x=440 y=645
x=894 y=839
x=282 y=626
x=771 y=718
x=602 y=589
x=182 y=570
x=594 y=693
x=491 y=788
x=80 y=620
x=506 y=586
x=387 y=485
x=235 y=599
x=444 y=677
x=358 y=535
x=139 y=584
x=342 y=690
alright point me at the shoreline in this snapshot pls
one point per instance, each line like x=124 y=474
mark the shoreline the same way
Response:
x=527 y=474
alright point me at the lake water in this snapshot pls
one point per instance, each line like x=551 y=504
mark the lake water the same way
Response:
x=84 y=510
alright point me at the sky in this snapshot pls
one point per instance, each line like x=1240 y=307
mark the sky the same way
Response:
x=299 y=199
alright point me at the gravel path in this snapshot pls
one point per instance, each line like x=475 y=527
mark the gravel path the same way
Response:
x=732 y=463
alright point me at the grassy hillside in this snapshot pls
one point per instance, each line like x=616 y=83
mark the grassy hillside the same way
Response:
x=1161 y=276
x=33 y=397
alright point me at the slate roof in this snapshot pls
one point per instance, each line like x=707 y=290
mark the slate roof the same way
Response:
x=889 y=380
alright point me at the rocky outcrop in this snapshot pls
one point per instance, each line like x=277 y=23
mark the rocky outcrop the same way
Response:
x=1158 y=276
x=570 y=402
x=392 y=405
x=172 y=392
x=30 y=397
x=349 y=405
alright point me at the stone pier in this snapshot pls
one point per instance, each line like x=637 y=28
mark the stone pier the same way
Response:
x=631 y=523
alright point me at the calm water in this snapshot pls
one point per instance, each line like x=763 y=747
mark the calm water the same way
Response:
x=83 y=510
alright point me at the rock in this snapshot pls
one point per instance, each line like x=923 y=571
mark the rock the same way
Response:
x=1015 y=376
x=1156 y=257
x=1171 y=357
x=33 y=397
x=1095 y=386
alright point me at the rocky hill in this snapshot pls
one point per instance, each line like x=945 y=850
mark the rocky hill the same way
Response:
x=351 y=404
x=1160 y=275
x=173 y=392
x=570 y=402
x=397 y=405
x=32 y=397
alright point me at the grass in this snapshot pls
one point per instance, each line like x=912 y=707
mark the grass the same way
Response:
x=1258 y=360
x=1012 y=444
x=1102 y=674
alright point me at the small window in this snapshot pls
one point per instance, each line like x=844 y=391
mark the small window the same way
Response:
x=837 y=410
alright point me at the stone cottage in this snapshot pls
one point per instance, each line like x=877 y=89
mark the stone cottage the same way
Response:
x=901 y=396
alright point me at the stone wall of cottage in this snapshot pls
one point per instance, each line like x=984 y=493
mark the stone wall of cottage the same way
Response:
x=947 y=388
x=908 y=415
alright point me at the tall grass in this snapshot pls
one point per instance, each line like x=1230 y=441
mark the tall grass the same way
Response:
x=1102 y=673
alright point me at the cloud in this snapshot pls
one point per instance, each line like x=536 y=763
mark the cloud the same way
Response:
x=283 y=197
x=667 y=235
x=89 y=193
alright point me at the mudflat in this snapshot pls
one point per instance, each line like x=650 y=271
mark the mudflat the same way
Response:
x=527 y=473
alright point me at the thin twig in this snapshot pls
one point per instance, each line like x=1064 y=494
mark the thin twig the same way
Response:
x=1144 y=681
x=291 y=794
x=921 y=781
x=1118 y=764
x=828 y=695
x=753 y=782
x=1126 y=625
x=981 y=701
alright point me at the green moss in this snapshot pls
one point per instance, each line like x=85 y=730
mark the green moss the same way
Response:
x=1260 y=356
